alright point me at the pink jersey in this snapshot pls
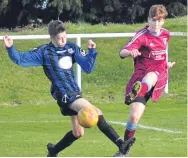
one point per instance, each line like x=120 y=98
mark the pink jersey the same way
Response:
x=153 y=48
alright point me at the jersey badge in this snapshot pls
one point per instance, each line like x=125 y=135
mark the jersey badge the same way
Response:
x=70 y=50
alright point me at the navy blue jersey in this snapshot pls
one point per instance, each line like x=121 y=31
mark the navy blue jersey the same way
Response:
x=57 y=64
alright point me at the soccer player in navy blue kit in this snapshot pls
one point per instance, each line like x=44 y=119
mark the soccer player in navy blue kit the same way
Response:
x=57 y=59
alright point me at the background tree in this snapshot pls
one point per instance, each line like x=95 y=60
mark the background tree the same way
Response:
x=14 y=13
x=176 y=9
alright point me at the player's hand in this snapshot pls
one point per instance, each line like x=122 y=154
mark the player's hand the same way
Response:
x=8 y=41
x=171 y=64
x=91 y=44
x=134 y=53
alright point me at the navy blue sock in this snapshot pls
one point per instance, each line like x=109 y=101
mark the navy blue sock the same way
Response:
x=66 y=141
x=109 y=131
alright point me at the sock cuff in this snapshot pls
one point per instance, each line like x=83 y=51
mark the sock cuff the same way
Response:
x=130 y=126
x=101 y=116
x=101 y=119
x=118 y=139
x=72 y=135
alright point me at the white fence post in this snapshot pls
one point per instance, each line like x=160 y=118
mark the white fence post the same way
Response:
x=78 y=68
x=166 y=87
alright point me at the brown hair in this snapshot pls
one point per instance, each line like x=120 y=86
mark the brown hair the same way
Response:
x=158 y=11
x=56 y=27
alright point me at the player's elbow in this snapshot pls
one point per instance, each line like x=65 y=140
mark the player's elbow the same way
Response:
x=16 y=58
x=88 y=71
x=123 y=53
x=17 y=61
x=121 y=56
x=20 y=63
x=88 y=68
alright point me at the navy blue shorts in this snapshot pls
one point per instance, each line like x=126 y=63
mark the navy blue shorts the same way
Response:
x=64 y=102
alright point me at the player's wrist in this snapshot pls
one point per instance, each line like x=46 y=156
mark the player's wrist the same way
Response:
x=91 y=48
x=10 y=47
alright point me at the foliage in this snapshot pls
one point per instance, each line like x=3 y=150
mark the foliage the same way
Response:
x=24 y=12
x=176 y=9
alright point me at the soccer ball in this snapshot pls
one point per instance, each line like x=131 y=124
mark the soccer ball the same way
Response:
x=88 y=117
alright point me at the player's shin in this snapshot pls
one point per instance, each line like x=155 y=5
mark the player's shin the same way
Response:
x=109 y=131
x=66 y=141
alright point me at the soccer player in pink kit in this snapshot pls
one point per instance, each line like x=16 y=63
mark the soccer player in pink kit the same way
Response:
x=149 y=51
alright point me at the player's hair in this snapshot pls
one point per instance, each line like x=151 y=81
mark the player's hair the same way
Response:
x=158 y=11
x=55 y=27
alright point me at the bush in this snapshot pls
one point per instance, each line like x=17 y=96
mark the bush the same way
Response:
x=176 y=9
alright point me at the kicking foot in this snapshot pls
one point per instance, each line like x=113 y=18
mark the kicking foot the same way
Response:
x=134 y=93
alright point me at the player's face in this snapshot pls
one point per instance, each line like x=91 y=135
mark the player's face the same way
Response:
x=155 y=24
x=60 y=40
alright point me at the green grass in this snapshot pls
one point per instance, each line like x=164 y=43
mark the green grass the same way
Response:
x=174 y=25
x=26 y=130
x=111 y=73
x=30 y=118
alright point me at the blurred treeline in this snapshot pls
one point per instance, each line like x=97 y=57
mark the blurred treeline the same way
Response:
x=18 y=13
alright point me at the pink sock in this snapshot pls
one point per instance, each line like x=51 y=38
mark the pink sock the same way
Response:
x=129 y=134
x=143 y=90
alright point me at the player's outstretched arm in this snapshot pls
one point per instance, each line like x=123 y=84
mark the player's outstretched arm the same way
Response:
x=125 y=53
x=87 y=60
x=30 y=58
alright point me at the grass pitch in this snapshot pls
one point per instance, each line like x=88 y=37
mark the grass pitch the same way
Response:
x=26 y=129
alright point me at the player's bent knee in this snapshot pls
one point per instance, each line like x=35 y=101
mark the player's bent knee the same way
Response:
x=78 y=133
x=99 y=111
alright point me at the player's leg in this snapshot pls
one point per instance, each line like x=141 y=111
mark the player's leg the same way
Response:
x=71 y=136
x=136 y=111
x=139 y=89
x=76 y=132
x=77 y=129
x=103 y=125
x=137 y=108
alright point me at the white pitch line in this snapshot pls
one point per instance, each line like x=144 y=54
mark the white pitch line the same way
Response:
x=149 y=127
x=35 y=121
x=175 y=139
x=113 y=122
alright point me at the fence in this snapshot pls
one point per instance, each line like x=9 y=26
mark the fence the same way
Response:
x=78 y=38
